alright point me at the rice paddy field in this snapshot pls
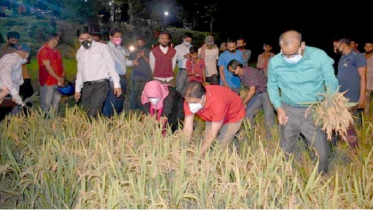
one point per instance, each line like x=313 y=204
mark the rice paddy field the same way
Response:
x=68 y=161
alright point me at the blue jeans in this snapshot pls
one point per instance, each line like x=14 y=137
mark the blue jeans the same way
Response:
x=112 y=102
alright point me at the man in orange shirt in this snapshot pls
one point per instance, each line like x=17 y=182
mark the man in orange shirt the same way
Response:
x=51 y=73
x=221 y=108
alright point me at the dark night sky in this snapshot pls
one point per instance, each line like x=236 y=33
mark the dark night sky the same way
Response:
x=266 y=21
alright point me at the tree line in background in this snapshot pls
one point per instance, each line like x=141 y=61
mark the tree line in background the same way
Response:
x=195 y=15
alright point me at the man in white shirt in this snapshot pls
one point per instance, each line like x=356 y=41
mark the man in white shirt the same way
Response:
x=11 y=73
x=95 y=67
x=162 y=60
x=113 y=103
x=182 y=55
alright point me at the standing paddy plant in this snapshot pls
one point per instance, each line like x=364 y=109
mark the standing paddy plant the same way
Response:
x=126 y=162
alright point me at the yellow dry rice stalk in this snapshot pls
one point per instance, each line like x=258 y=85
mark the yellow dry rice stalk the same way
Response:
x=332 y=113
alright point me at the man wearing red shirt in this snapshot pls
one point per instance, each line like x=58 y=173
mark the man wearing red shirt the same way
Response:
x=51 y=73
x=221 y=108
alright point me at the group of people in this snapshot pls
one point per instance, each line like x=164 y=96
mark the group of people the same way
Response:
x=207 y=84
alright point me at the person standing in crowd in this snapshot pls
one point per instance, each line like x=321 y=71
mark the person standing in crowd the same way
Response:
x=141 y=73
x=351 y=75
x=95 y=67
x=182 y=55
x=300 y=72
x=11 y=73
x=246 y=53
x=257 y=95
x=227 y=79
x=354 y=45
x=162 y=60
x=263 y=58
x=26 y=90
x=195 y=67
x=51 y=74
x=209 y=52
x=223 y=47
x=220 y=108
x=114 y=104
x=164 y=102
x=369 y=57
x=97 y=37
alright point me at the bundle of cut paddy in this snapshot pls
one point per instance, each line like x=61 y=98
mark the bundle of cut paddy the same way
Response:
x=332 y=113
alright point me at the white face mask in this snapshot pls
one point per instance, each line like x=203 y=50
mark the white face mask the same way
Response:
x=154 y=101
x=187 y=43
x=195 y=107
x=295 y=59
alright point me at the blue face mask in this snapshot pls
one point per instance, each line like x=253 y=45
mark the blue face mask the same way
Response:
x=293 y=60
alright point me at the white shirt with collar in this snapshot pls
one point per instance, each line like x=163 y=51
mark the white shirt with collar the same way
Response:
x=119 y=55
x=96 y=63
x=11 y=72
x=182 y=50
x=152 y=62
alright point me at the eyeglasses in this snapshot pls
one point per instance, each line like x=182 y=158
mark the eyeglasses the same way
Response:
x=338 y=46
x=292 y=54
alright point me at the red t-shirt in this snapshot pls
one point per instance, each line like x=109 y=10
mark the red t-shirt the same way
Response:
x=192 y=67
x=55 y=59
x=221 y=104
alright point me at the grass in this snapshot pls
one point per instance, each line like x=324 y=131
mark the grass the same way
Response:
x=68 y=161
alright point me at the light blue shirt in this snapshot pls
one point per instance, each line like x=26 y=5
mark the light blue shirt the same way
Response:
x=301 y=82
x=232 y=80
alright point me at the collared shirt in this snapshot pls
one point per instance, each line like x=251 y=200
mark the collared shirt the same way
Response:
x=119 y=55
x=96 y=63
x=181 y=50
x=222 y=105
x=5 y=49
x=152 y=62
x=252 y=77
x=54 y=56
x=246 y=54
x=11 y=72
x=348 y=74
x=301 y=82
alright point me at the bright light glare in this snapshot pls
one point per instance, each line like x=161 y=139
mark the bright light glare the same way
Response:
x=131 y=48
x=166 y=13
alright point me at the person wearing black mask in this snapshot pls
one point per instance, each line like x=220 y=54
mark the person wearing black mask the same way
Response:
x=141 y=73
x=95 y=67
x=227 y=78
x=241 y=44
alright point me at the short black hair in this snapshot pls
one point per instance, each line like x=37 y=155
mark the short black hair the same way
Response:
x=98 y=35
x=230 y=40
x=114 y=31
x=12 y=34
x=234 y=63
x=193 y=49
x=194 y=89
x=82 y=30
x=341 y=38
x=165 y=32
x=51 y=36
x=188 y=35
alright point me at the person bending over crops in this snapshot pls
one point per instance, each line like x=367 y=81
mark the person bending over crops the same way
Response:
x=164 y=102
x=11 y=73
x=300 y=72
x=220 y=107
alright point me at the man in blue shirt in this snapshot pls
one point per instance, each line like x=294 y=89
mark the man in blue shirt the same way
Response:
x=300 y=72
x=352 y=67
x=227 y=78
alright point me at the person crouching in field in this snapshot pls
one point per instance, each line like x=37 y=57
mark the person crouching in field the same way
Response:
x=220 y=107
x=164 y=102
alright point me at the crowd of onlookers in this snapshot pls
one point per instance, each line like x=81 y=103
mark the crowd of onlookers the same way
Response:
x=208 y=83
